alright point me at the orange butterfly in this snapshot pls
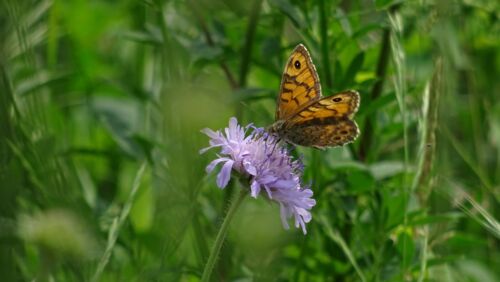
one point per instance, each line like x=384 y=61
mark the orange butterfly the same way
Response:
x=303 y=116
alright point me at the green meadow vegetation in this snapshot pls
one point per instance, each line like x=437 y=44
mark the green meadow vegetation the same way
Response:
x=102 y=103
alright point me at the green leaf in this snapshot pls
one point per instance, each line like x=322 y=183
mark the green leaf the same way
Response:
x=384 y=4
x=88 y=187
x=394 y=203
x=376 y=105
x=203 y=51
x=142 y=212
x=344 y=21
x=430 y=219
x=353 y=69
x=360 y=181
x=252 y=94
x=119 y=118
x=38 y=80
x=365 y=30
x=405 y=247
x=142 y=37
x=465 y=241
x=386 y=169
x=476 y=271
x=291 y=11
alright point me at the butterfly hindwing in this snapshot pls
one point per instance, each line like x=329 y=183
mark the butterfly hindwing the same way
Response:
x=299 y=85
x=322 y=133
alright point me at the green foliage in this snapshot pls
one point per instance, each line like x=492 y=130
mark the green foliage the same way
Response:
x=101 y=104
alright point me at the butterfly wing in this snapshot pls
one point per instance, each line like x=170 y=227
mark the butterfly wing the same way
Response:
x=325 y=123
x=299 y=85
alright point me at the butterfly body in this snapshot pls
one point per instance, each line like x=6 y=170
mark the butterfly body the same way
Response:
x=303 y=116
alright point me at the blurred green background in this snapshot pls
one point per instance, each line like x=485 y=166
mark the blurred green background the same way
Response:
x=102 y=103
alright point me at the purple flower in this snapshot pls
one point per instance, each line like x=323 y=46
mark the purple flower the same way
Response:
x=269 y=166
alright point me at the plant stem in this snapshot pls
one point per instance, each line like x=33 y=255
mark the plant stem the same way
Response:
x=214 y=253
x=383 y=60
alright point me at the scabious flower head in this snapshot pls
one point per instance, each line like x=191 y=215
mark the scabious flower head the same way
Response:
x=259 y=157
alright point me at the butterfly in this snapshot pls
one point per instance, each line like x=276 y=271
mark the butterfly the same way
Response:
x=303 y=116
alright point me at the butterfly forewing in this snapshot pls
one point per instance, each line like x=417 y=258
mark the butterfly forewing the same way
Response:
x=299 y=84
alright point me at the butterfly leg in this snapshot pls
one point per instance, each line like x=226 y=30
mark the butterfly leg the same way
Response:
x=278 y=140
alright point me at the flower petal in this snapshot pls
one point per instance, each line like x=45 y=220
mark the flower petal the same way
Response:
x=210 y=133
x=254 y=188
x=212 y=164
x=269 y=192
x=225 y=174
x=206 y=149
x=249 y=167
x=233 y=123
x=284 y=216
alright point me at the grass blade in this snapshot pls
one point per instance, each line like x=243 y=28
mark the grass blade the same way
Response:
x=118 y=223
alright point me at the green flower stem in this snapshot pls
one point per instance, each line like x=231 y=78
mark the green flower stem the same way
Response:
x=214 y=253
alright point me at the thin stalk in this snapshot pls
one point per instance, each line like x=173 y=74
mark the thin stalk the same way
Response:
x=200 y=242
x=428 y=143
x=300 y=262
x=117 y=224
x=468 y=159
x=214 y=253
x=475 y=211
x=422 y=184
x=208 y=37
x=383 y=60
x=425 y=255
x=246 y=53
x=7 y=103
x=368 y=130
x=399 y=62
x=323 y=27
x=337 y=238
x=53 y=34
